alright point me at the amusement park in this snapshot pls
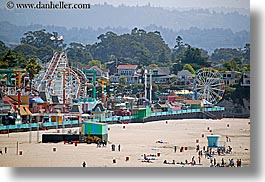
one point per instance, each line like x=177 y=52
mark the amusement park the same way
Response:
x=62 y=96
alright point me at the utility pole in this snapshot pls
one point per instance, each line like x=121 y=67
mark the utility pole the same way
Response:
x=30 y=130
x=145 y=84
x=17 y=147
x=18 y=72
x=150 y=72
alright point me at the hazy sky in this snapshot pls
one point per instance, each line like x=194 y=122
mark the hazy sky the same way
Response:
x=177 y=3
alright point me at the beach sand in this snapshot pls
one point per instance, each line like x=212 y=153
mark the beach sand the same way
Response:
x=135 y=141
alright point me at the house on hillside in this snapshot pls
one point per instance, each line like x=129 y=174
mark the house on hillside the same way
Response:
x=245 y=80
x=184 y=77
x=231 y=77
x=100 y=72
x=112 y=67
x=127 y=71
x=160 y=75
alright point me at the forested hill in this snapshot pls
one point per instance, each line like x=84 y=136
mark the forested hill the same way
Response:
x=204 y=28
x=208 y=39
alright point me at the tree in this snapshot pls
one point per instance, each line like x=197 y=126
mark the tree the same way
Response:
x=3 y=47
x=77 y=52
x=94 y=63
x=21 y=60
x=189 y=68
x=33 y=68
x=231 y=66
x=41 y=38
x=122 y=83
x=45 y=53
x=139 y=47
x=225 y=54
x=27 y=49
x=10 y=59
x=194 y=56
x=246 y=52
x=153 y=65
x=3 y=64
x=122 y=80
x=179 y=42
x=173 y=80
x=177 y=67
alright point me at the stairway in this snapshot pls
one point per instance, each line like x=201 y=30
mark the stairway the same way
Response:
x=209 y=114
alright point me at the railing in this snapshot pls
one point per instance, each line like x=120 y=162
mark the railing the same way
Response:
x=35 y=125
x=110 y=119
x=175 y=112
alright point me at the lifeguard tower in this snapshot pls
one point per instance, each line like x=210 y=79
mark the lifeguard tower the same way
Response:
x=213 y=141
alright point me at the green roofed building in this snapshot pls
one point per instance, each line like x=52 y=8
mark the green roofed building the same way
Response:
x=141 y=113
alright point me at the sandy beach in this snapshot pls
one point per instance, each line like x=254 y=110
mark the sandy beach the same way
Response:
x=135 y=141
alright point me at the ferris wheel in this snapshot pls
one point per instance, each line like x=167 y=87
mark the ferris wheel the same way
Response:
x=208 y=85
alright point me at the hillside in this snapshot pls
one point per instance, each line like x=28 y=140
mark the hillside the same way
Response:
x=208 y=39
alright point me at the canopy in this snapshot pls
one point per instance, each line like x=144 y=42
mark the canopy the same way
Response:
x=183 y=92
x=205 y=102
x=24 y=111
x=38 y=100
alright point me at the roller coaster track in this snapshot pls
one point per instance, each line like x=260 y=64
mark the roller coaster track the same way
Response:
x=49 y=70
x=83 y=81
x=58 y=69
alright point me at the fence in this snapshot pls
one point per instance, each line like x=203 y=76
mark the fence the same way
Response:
x=36 y=125
x=110 y=119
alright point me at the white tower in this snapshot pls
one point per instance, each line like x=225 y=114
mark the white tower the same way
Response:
x=151 y=72
x=145 y=84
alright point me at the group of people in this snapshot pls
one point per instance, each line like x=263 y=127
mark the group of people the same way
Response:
x=166 y=162
x=148 y=158
x=223 y=163
x=209 y=153
x=232 y=163
x=113 y=147
x=102 y=143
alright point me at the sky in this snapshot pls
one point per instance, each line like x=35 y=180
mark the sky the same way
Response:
x=176 y=3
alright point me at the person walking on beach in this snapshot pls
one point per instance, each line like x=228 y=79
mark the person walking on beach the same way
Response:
x=223 y=162
x=193 y=160
x=84 y=164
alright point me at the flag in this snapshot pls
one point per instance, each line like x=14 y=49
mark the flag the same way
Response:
x=60 y=38
x=52 y=38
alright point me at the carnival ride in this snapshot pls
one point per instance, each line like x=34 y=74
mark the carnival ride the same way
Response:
x=208 y=85
x=13 y=81
x=56 y=78
x=62 y=80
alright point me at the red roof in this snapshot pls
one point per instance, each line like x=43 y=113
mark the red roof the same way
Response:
x=192 y=101
x=127 y=66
